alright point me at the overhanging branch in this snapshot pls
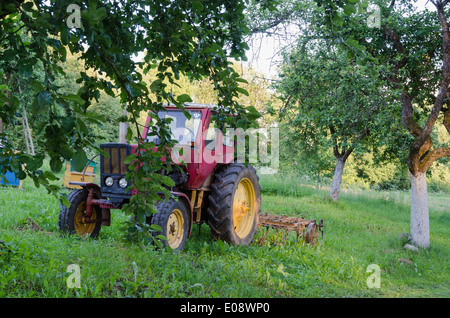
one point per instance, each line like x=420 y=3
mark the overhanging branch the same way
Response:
x=434 y=155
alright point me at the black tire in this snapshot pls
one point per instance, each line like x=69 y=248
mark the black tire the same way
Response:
x=173 y=219
x=221 y=217
x=70 y=218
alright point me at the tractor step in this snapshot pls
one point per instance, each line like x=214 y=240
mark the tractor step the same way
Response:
x=306 y=229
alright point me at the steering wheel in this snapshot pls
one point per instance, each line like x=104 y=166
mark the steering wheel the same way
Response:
x=185 y=135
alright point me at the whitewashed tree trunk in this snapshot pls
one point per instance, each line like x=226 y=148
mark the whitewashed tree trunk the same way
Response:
x=337 y=178
x=123 y=128
x=420 y=225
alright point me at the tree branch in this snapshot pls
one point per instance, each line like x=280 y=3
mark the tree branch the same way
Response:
x=447 y=120
x=347 y=153
x=336 y=152
x=432 y=156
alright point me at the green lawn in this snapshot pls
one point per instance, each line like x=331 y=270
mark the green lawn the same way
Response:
x=361 y=229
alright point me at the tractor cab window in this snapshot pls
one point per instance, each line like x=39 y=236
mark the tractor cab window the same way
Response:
x=183 y=130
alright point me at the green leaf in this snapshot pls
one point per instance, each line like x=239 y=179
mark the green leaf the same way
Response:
x=44 y=98
x=161 y=237
x=352 y=42
x=55 y=164
x=129 y=159
x=49 y=175
x=41 y=102
x=65 y=152
x=242 y=91
x=155 y=228
x=129 y=134
x=100 y=14
x=349 y=9
x=94 y=117
x=197 y=5
x=25 y=69
x=79 y=160
x=35 y=163
x=168 y=181
x=74 y=98
x=184 y=98
x=156 y=85
x=64 y=201
x=81 y=126
x=241 y=80
x=27 y=6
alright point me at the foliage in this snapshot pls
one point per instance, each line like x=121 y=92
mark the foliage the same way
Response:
x=327 y=95
x=331 y=102
x=408 y=52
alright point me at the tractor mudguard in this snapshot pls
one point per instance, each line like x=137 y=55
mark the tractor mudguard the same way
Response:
x=86 y=185
x=188 y=205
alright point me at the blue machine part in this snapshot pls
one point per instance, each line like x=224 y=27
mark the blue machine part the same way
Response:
x=12 y=180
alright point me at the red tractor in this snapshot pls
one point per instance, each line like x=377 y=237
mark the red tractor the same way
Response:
x=214 y=189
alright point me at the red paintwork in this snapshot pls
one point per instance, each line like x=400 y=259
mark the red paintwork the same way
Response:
x=198 y=169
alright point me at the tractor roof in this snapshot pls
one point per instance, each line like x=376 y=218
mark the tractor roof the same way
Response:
x=193 y=105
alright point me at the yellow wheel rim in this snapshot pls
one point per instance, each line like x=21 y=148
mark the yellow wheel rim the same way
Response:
x=244 y=204
x=175 y=229
x=82 y=228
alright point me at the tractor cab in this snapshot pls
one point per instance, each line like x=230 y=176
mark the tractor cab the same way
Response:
x=203 y=145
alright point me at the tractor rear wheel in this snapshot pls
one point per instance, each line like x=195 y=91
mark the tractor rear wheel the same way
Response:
x=172 y=217
x=234 y=204
x=73 y=219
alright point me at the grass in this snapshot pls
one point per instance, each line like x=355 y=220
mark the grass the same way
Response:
x=361 y=229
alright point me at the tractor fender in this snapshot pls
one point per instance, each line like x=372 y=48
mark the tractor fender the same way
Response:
x=87 y=186
x=92 y=185
x=184 y=198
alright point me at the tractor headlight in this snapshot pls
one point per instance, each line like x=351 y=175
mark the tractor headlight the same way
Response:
x=109 y=181
x=123 y=183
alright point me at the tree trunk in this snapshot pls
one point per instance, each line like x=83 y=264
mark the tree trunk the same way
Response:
x=318 y=179
x=337 y=178
x=123 y=128
x=420 y=227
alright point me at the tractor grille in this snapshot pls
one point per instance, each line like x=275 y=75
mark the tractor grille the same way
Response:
x=115 y=164
x=113 y=168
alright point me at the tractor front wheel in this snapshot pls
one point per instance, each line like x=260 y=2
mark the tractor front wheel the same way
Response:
x=73 y=219
x=234 y=204
x=172 y=217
